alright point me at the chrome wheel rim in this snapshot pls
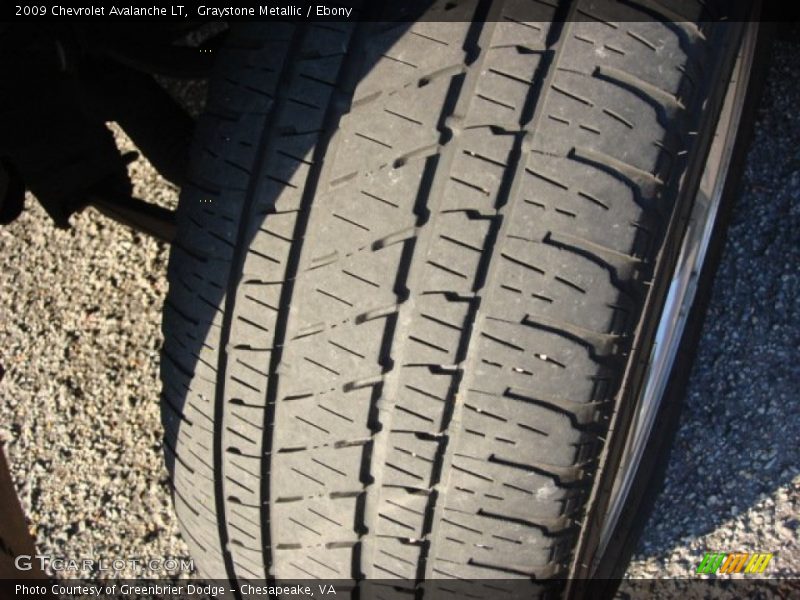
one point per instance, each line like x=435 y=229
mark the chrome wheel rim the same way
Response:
x=683 y=286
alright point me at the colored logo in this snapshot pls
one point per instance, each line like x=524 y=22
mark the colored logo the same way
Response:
x=736 y=562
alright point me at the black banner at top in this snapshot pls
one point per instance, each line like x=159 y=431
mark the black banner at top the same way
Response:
x=607 y=11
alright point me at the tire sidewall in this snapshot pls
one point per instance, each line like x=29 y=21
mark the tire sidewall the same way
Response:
x=650 y=478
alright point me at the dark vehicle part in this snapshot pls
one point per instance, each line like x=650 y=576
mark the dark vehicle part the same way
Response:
x=155 y=122
x=151 y=219
x=57 y=92
x=15 y=538
x=58 y=149
x=418 y=269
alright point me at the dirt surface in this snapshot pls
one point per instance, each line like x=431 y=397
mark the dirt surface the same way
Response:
x=79 y=337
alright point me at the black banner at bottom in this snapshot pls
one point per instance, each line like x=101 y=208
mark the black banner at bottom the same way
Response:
x=394 y=589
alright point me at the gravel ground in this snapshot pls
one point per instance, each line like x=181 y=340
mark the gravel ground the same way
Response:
x=79 y=338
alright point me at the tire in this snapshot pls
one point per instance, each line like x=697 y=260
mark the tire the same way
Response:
x=416 y=274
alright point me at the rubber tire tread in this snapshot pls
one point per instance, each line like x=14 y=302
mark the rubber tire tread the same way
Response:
x=409 y=263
